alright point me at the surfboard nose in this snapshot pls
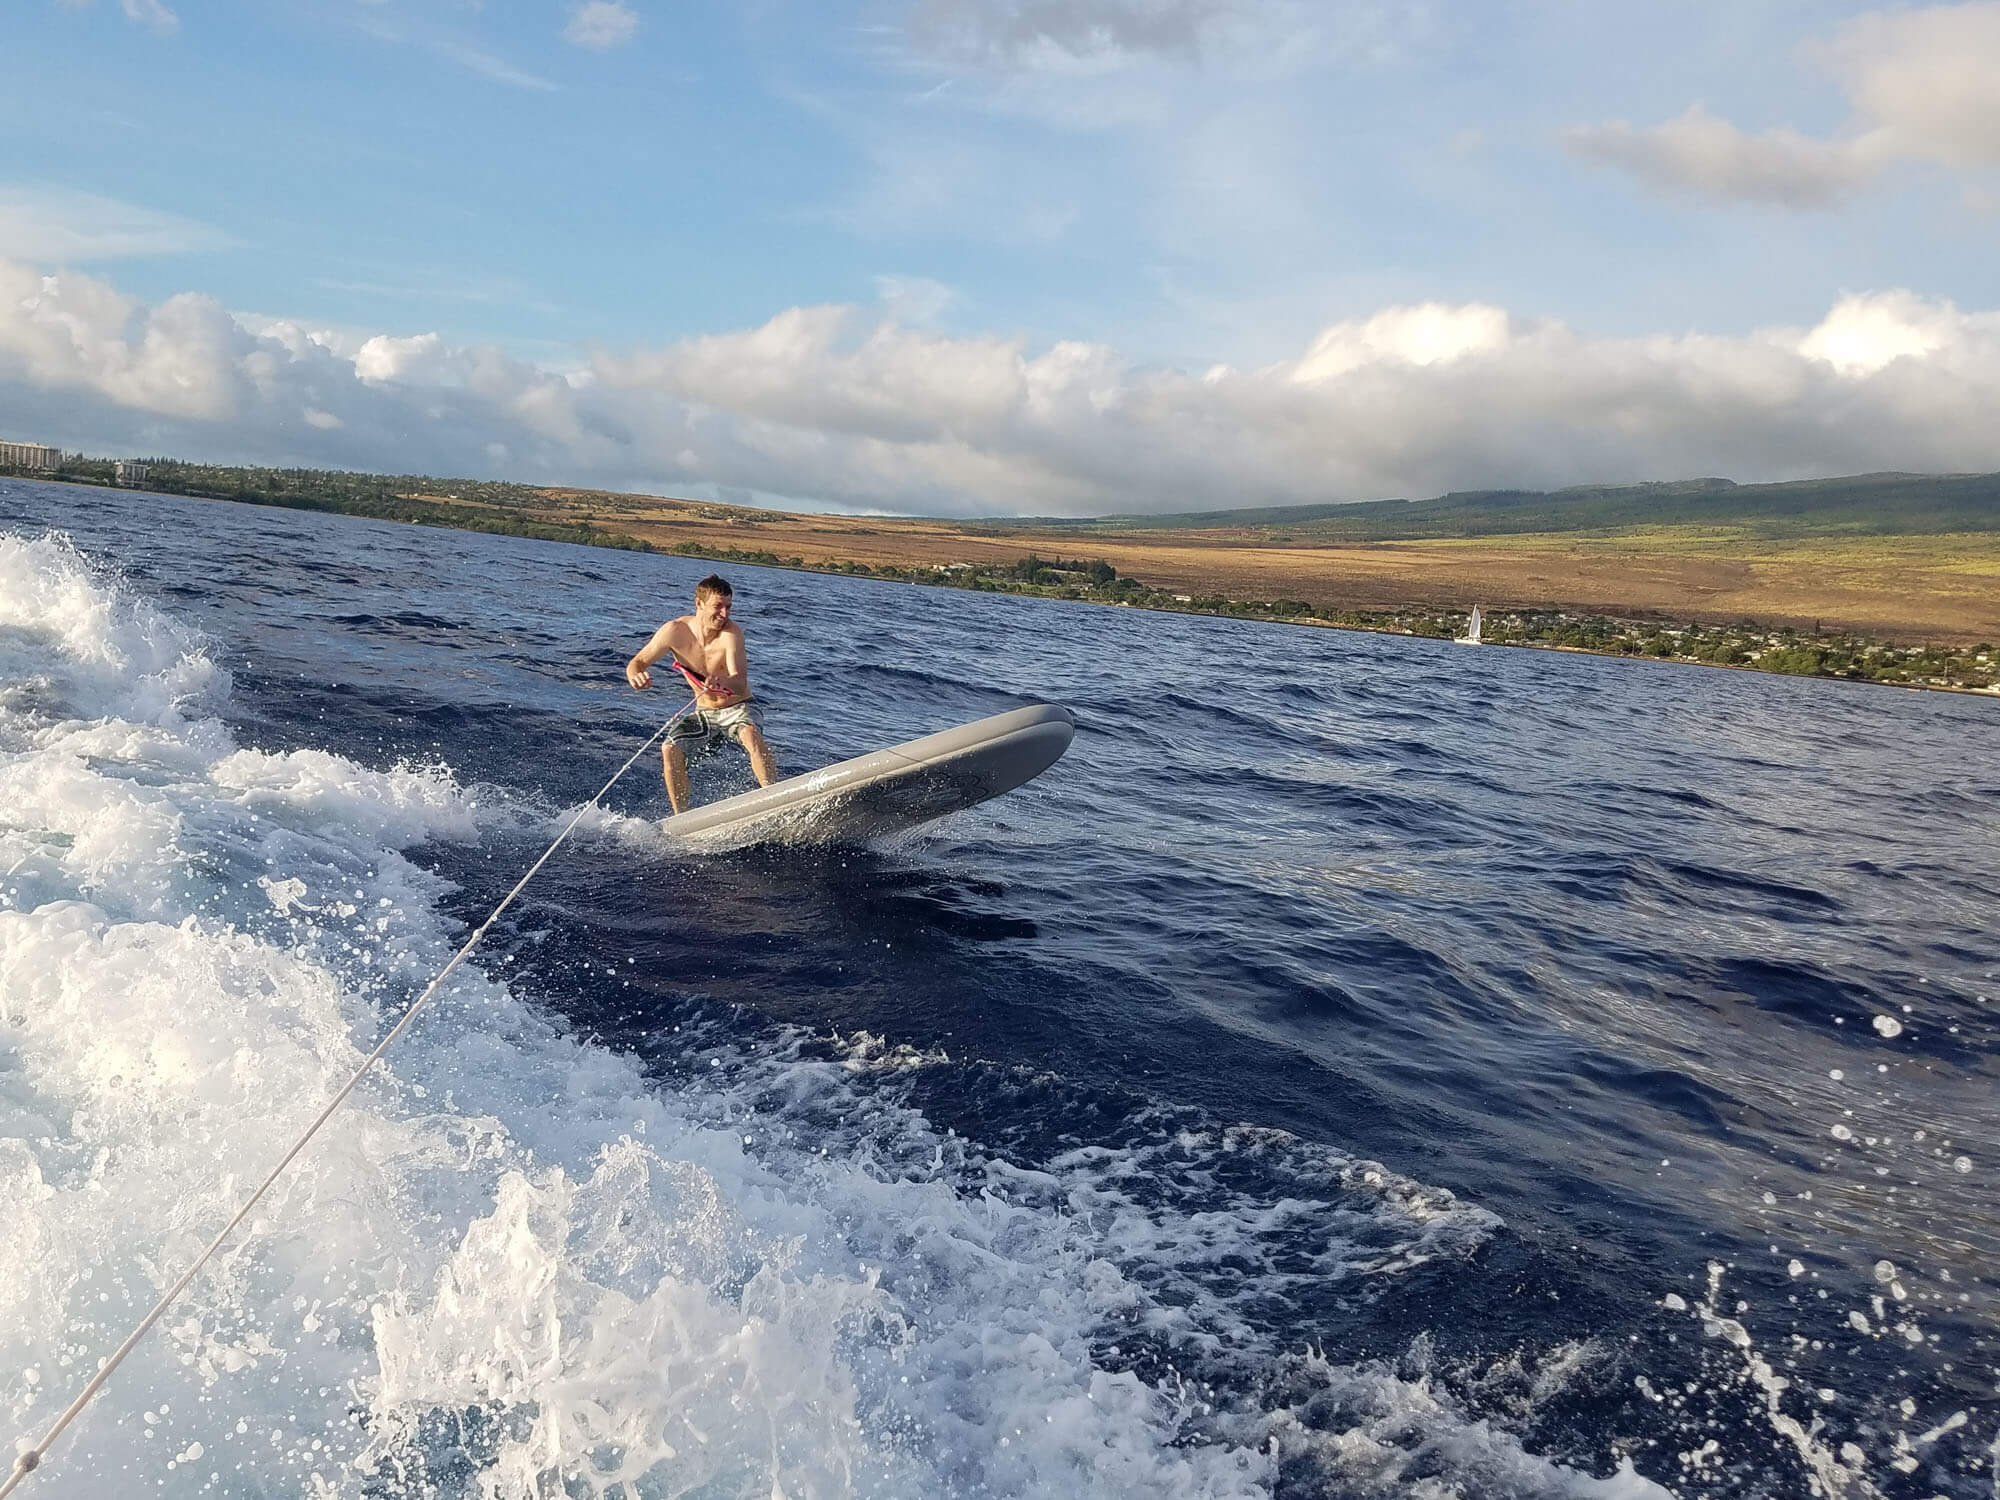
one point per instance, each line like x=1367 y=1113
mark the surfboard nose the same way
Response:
x=1038 y=736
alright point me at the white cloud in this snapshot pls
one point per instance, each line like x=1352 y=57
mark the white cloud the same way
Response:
x=1429 y=334
x=71 y=332
x=1863 y=334
x=601 y=24
x=1923 y=84
x=42 y=223
x=1929 y=79
x=1711 y=157
x=421 y=358
x=498 y=69
x=1059 y=33
x=858 y=410
x=1085 y=37
x=151 y=13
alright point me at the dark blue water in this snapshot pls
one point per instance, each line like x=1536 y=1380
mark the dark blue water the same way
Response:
x=1677 y=977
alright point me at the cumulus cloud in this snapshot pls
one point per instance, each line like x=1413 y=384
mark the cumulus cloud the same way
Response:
x=1712 y=158
x=79 y=334
x=1928 y=79
x=1429 y=334
x=1867 y=333
x=420 y=358
x=855 y=408
x=1921 y=83
x=600 y=25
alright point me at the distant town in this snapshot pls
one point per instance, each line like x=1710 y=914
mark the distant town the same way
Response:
x=38 y=458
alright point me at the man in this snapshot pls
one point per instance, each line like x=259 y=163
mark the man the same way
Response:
x=708 y=646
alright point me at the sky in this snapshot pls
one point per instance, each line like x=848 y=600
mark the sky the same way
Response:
x=1007 y=257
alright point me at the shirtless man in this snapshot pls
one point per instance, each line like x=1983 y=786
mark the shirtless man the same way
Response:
x=709 y=645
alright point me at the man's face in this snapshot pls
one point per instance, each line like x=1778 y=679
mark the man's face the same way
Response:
x=712 y=611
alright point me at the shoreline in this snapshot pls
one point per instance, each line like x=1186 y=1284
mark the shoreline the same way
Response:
x=1747 y=641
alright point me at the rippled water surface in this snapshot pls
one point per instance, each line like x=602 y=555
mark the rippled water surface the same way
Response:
x=1361 y=1066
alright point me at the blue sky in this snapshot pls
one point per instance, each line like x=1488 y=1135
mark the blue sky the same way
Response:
x=1005 y=255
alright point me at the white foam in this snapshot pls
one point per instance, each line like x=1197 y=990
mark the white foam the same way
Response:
x=112 y=654
x=511 y=1251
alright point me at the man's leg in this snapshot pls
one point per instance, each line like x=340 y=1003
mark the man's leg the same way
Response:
x=675 y=768
x=761 y=760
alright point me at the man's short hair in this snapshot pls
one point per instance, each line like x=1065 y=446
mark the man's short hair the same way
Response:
x=715 y=583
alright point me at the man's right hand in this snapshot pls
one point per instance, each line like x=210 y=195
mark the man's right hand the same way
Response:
x=637 y=675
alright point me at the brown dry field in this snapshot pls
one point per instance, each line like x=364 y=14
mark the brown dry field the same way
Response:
x=1944 y=589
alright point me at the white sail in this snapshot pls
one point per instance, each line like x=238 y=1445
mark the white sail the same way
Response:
x=1471 y=636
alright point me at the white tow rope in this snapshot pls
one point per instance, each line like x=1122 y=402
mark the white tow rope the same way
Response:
x=30 y=1458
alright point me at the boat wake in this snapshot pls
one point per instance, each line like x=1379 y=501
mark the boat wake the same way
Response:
x=519 y=1264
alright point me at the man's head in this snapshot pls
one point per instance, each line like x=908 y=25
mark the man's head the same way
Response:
x=712 y=598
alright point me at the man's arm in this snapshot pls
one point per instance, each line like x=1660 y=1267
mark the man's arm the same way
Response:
x=733 y=681
x=660 y=645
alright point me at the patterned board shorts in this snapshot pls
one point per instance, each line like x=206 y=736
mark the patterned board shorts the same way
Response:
x=707 y=728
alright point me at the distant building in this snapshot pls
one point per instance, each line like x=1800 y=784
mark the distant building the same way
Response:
x=29 y=456
x=129 y=471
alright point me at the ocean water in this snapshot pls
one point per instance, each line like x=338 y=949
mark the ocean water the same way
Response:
x=1361 y=1067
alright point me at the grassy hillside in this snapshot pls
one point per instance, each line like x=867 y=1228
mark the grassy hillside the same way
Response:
x=463 y=504
x=1862 y=505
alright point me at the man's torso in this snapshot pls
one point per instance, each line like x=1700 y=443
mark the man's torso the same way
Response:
x=710 y=657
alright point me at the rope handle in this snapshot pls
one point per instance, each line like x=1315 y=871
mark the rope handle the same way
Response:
x=29 y=1459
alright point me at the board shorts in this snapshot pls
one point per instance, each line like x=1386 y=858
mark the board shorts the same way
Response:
x=706 y=728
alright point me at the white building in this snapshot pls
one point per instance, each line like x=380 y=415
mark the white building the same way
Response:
x=29 y=456
x=129 y=471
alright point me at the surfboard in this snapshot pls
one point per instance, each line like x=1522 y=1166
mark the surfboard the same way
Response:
x=888 y=790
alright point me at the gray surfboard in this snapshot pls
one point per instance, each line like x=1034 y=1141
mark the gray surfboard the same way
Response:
x=890 y=789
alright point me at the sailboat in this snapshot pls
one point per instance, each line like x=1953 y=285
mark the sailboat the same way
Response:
x=1471 y=636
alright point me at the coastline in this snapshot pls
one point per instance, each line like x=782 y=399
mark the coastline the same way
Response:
x=1743 y=647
